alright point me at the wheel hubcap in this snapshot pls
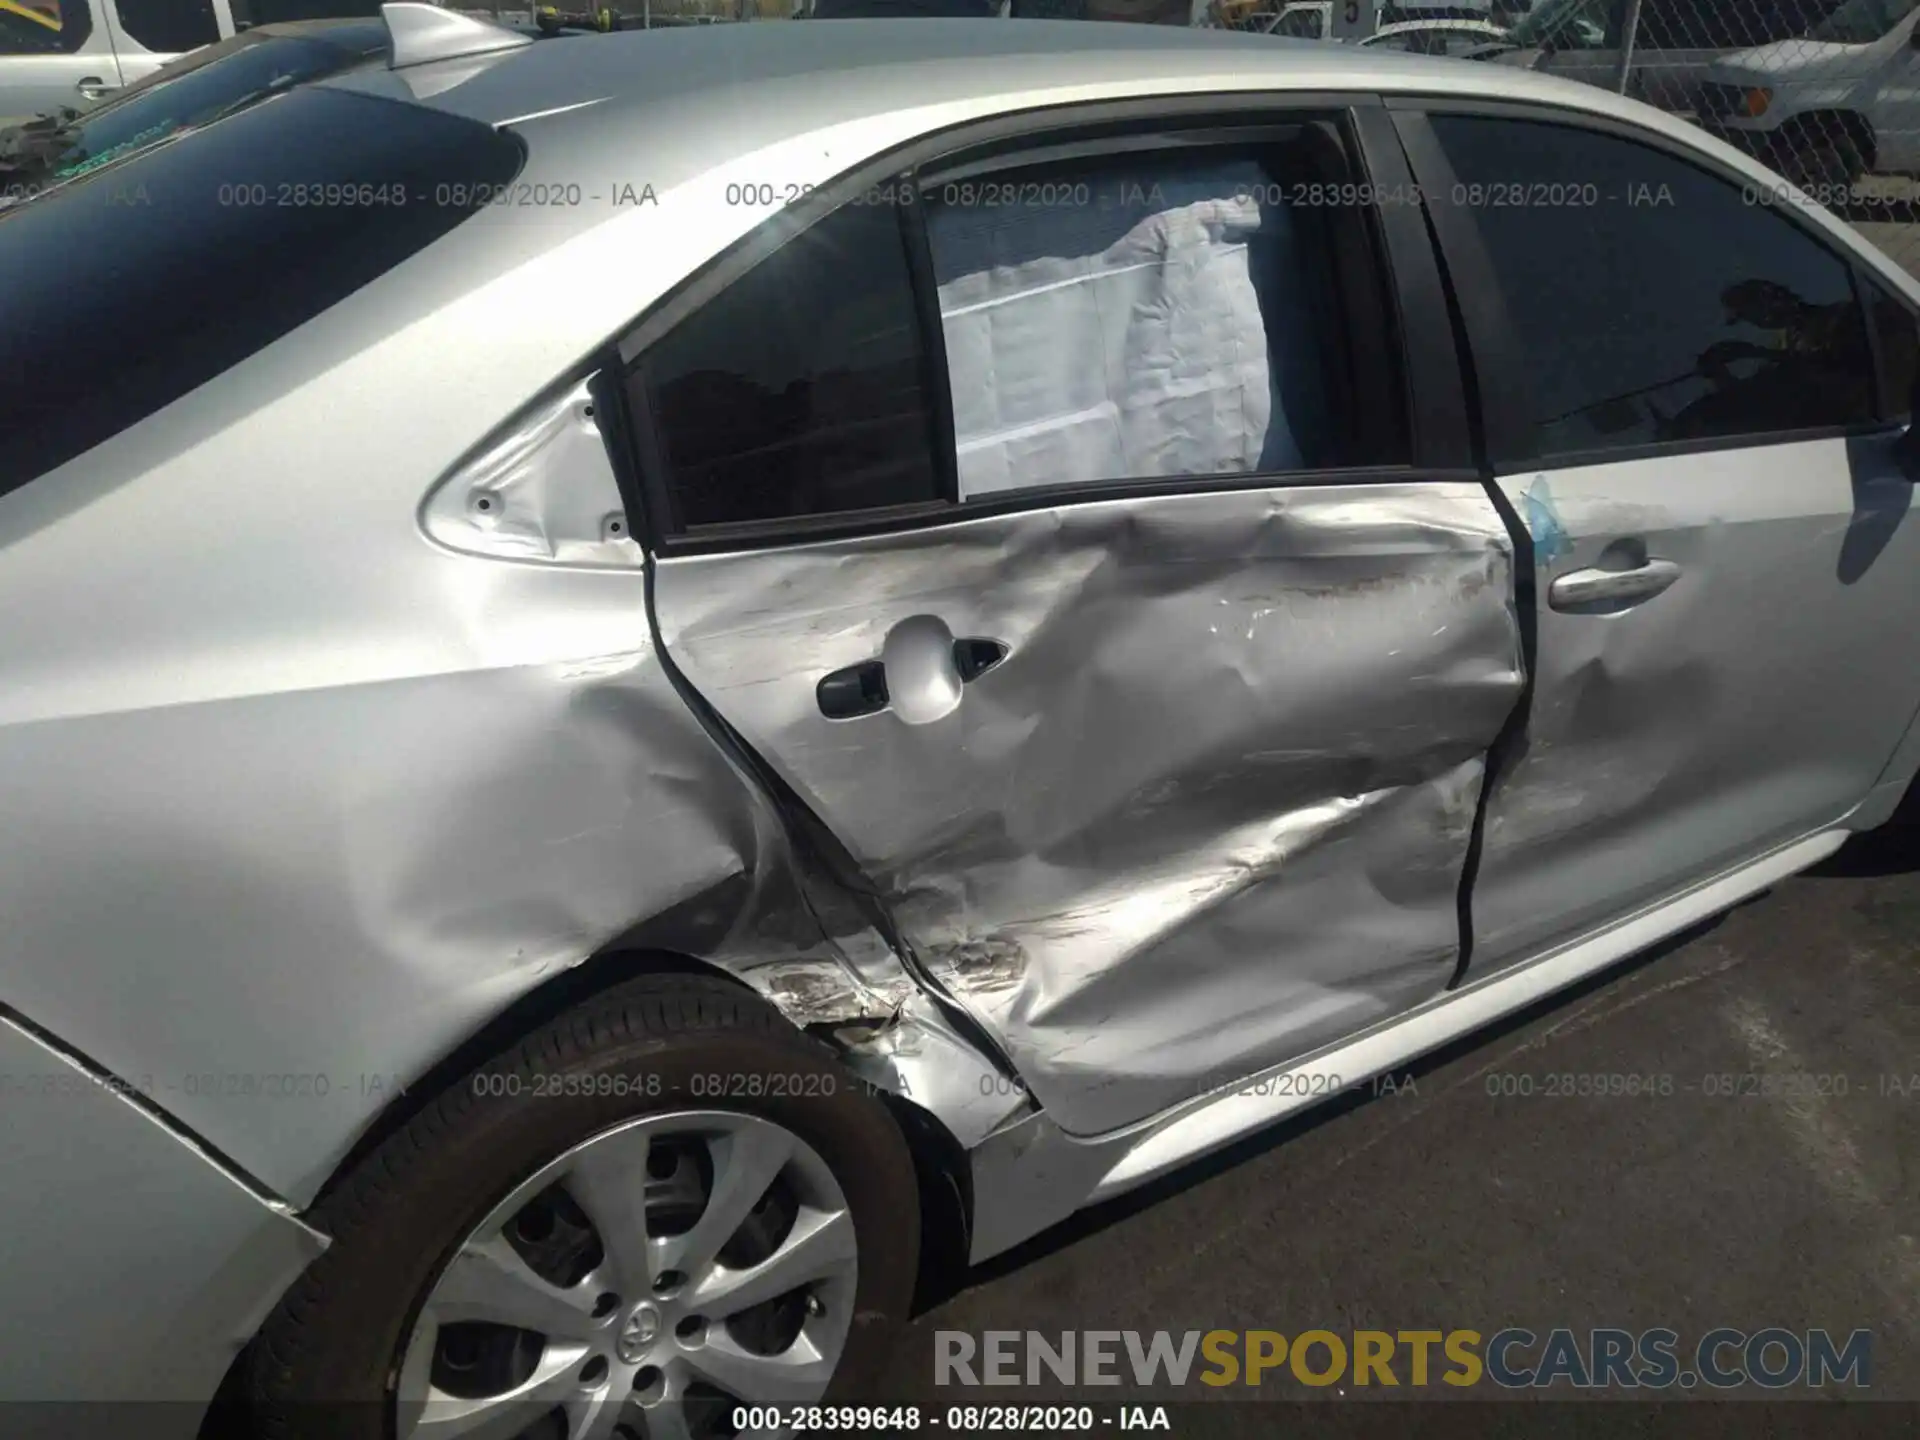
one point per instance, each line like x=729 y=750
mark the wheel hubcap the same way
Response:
x=637 y=1335
x=645 y=1282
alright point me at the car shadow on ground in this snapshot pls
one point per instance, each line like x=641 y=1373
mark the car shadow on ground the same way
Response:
x=1890 y=850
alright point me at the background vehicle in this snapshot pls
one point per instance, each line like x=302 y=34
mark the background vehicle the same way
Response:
x=1310 y=21
x=65 y=59
x=1675 y=42
x=1292 y=19
x=1829 y=106
x=194 y=90
x=570 y=821
x=98 y=47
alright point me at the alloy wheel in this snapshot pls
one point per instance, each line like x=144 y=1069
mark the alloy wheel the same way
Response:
x=646 y=1283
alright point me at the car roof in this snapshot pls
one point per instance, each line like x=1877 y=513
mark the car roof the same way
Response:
x=678 y=115
x=781 y=78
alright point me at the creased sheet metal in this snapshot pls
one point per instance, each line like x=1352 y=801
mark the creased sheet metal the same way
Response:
x=1211 y=810
x=356 y=812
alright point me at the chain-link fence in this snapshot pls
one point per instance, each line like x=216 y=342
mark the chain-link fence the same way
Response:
x=1825 y=91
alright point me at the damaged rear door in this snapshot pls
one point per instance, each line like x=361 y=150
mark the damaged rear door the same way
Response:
x=1068 y=528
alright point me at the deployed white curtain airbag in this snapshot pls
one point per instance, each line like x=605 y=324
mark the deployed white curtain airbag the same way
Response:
x=1123 y=337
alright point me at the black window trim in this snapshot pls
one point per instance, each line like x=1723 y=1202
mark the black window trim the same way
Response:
x=1506 y=391
x=933 y=349
x=1434 y=402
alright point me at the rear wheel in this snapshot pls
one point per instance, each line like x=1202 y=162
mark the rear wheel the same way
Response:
x=665 y=1206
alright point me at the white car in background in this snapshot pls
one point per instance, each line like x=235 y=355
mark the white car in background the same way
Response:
x=71 y=55
x=1312 y=20
x=1831 y=106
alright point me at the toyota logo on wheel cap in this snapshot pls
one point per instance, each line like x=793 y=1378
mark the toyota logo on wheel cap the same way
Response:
x=638 y=1333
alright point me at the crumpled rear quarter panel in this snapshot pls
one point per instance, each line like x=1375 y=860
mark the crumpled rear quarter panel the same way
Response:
x=293 y=802
x=1212 y=809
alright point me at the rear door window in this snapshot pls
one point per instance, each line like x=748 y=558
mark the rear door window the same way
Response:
x=1186 y=313
x=241 y=232
x=1136 y=316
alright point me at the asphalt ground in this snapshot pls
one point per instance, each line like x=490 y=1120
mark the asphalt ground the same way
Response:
x=1470 y=1195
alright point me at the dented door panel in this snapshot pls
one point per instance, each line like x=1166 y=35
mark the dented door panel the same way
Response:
x=1209 y=811
x=1747 y=703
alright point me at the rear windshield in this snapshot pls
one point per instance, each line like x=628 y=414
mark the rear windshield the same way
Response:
x=139 y=281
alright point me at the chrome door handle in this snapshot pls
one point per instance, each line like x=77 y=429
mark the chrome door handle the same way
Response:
x=918 y=676
x=1597 y=589
x=92 y=87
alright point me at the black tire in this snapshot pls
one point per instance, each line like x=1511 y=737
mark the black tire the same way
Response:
x=1827 y=165
x=326 y=1358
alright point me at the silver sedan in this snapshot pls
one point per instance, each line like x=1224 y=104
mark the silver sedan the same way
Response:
x=652 y=681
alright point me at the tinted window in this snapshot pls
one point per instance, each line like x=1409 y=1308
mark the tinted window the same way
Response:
x=273 y=12
x=169 y=27
x=106 y=332
x=44 y=27
x=801 y=389
x=1899 y=336
x=1650 y=301
x=1170 y=314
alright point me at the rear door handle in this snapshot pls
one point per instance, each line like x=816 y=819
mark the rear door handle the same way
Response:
x=92 y=87
x=1611 y=589
x=858 y=690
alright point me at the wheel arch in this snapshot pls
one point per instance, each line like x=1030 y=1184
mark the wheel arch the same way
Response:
x=940 y=1159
